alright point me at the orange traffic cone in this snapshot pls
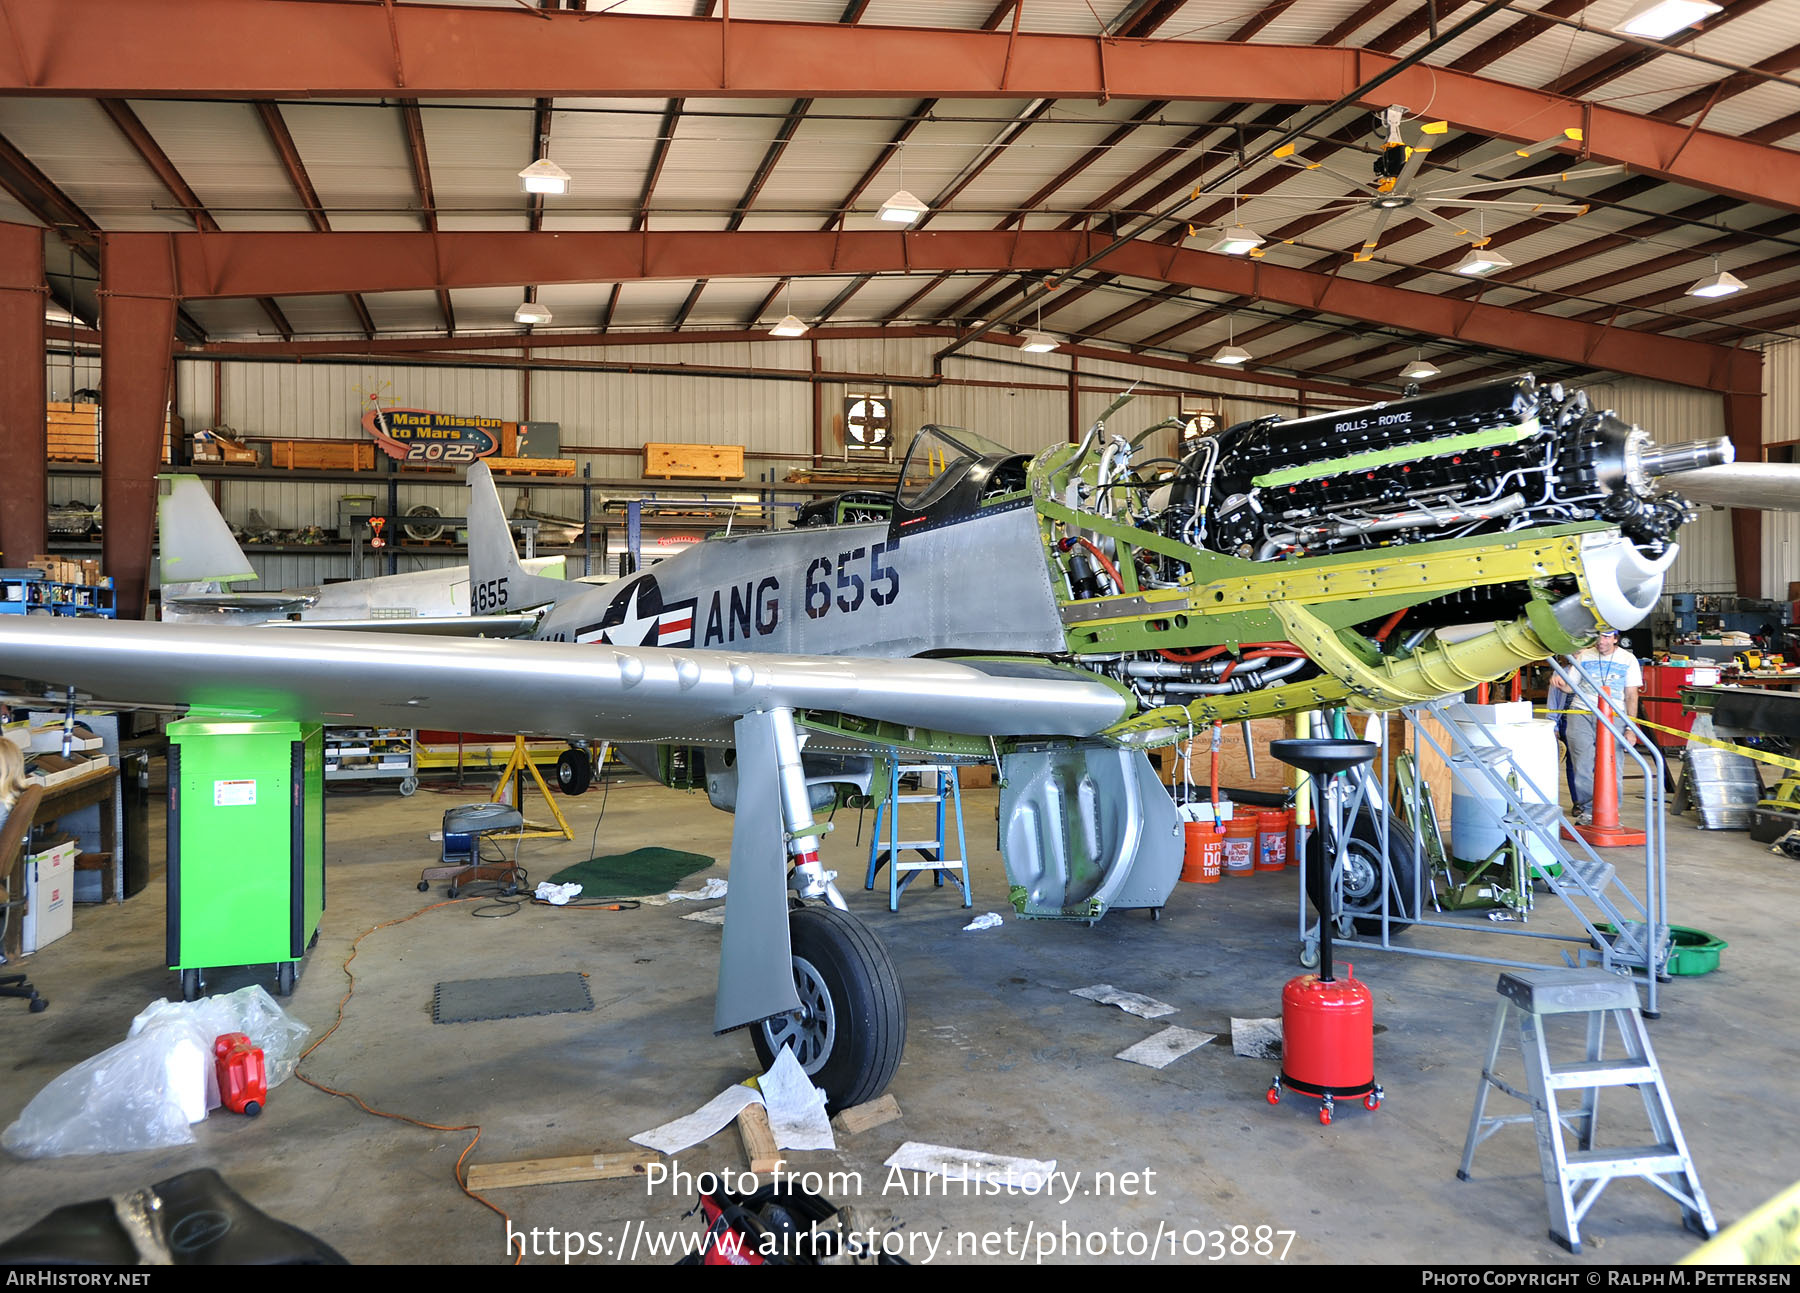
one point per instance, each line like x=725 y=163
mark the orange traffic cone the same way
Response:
x=1605 y=832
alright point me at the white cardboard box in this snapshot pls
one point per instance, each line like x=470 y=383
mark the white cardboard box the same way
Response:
x=49 y=895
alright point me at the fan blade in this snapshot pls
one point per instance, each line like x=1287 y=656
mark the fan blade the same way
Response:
x=1571 y=136
x=1497 y=204
x=1763 y=486
x=1287 y=154
x=1373 y=239
x=1410 y=172
x=1460 y=231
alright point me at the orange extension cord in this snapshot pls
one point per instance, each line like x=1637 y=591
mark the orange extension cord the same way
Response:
x=457 y=1171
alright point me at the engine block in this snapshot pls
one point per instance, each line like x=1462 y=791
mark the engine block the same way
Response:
x=1493 y=457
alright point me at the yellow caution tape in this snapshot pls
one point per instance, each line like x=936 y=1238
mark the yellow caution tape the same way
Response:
x=1761 y=756
x=1770 y=1236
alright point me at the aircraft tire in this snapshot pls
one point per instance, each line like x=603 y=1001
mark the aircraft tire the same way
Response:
x=852 y=1037
x=1362 y=887
x=574 y=772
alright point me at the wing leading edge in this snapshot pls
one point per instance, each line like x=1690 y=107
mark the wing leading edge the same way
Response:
x=542 y=688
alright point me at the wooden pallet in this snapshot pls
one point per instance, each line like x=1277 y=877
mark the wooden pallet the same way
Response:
x=837 y=479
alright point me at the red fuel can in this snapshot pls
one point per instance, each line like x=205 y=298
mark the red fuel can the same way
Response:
x=1327 y=1041
x=243 y=1082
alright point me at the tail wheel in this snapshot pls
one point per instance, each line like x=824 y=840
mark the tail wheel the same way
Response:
x=574 y=772
x=850 y=1029
x=1367 y=874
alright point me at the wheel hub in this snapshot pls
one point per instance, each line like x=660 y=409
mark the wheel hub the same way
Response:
x=1360 y=875
x=810 y=1031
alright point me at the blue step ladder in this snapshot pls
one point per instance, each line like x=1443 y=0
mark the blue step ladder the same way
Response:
x=885 y=849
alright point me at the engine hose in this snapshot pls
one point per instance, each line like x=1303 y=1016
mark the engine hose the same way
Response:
x=1388 y=626
x=1218 y=826
x=1184 y=657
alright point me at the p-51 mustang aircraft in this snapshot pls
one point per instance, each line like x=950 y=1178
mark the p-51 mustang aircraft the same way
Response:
x=1061 y=613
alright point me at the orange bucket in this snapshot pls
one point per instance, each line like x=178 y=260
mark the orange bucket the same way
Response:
x=1272 y=839
x=1240 y=845
x=1205 y=856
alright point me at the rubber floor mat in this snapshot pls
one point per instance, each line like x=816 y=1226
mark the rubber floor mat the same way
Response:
x=468 y=1001
x=634 y=874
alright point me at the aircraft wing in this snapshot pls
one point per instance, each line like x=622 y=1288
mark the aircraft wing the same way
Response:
x=559 y=689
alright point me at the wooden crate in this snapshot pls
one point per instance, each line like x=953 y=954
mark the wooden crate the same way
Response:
x=71 y=431
x=531 y=466
x=694 y=461
x=322 y=455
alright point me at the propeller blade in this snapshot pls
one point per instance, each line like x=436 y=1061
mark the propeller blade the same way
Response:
x=1761 y=486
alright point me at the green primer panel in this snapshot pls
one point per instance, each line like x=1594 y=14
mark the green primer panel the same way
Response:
x=1408 y=452
x=246 y=841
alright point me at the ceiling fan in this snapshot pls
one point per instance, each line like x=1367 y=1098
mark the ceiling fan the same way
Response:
x=1395 y=184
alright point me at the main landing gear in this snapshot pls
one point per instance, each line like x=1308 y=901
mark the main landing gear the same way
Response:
x=850 y=1029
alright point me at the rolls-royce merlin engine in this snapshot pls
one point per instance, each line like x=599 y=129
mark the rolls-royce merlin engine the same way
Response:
x=1500 y=456
x=1383 y=554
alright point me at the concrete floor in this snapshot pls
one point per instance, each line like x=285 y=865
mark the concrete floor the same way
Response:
x=1000 y=1058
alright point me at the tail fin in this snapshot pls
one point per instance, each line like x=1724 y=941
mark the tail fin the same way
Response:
x=497 y=582
x=194 y=543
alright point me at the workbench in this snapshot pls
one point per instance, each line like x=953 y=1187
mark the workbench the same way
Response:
x=98 y=787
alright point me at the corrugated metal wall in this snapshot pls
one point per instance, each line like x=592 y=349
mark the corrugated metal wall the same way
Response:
x=1671 y=413
x=1781 y=422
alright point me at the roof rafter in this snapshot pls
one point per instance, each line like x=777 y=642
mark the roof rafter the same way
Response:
x=144 y=144
x=275 y=264
x=276 y=127
x=188 y=48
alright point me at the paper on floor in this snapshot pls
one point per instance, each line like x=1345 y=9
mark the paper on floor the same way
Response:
x=1256 y=1039
x=705 y=1122
x=557 y=895
x=1028 y=1175
x=713 y=888
x=711 y=916
x=796 y=1112
x=796 y=1107
x=1164 y=1048
x=987 y=921
x=1131 y=1003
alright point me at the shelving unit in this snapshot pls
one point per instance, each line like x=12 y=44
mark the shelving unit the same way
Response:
x=605 y=526
x=27 y=592
x=371 y=754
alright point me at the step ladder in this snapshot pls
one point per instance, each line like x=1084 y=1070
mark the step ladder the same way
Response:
x=885 y=850
x=1666 y=1164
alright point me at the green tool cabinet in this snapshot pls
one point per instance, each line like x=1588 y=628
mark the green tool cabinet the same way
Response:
x=246 y=846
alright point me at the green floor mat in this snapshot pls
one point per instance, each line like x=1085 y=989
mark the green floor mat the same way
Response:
x=633 y=874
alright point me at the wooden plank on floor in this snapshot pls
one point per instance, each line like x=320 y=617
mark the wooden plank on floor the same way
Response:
x=759 y=1140
x=864 y=1116
x=556 y=1171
